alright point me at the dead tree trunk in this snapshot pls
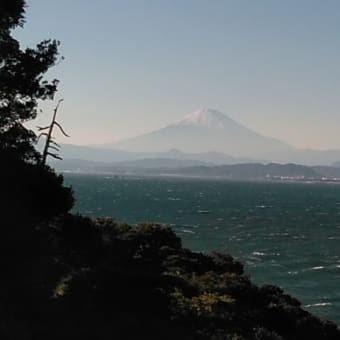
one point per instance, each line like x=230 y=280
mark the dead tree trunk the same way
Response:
x=50 y=143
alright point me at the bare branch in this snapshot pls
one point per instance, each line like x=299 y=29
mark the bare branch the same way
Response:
x=43 y=128
x=54 y=155
x=61 y=129
x=59 y=102
x=54 y=143
x=50 y=143
x=42 y=134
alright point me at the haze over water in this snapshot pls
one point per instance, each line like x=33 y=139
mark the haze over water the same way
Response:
x=285 y=234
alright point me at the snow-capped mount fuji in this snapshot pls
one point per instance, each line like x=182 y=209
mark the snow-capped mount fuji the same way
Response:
x=208 y=118
x=206 y=130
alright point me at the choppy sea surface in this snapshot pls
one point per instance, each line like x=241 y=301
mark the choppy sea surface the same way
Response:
x=287 y=234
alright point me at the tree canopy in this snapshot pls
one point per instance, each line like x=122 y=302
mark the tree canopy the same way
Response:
x=22 y=82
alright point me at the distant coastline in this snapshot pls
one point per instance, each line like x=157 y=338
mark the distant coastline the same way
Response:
x=335 y=181
x=273 y=172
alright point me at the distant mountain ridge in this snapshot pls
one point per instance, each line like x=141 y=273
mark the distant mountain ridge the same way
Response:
x=204 y=131
x=96 y=154
x=245 y=171
x=205 y=135
x=249 y=171
x=80 y=165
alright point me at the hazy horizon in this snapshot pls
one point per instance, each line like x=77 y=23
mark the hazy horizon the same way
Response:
x=132 y=67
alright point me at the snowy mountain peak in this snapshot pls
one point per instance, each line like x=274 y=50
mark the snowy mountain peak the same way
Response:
x=205 y=118
x=206 y=130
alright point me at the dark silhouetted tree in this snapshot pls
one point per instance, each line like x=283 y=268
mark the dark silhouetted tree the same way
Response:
x=22 y=85
x=22 y=82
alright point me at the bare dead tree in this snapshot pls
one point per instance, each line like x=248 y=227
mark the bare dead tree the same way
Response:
x=50 y=143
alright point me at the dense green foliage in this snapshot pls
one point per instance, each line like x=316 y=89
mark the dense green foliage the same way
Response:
x=68 y=277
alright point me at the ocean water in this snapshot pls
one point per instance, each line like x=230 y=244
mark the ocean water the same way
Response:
x=287 y=234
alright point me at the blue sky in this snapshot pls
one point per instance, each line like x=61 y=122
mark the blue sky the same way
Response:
x=132 y=66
